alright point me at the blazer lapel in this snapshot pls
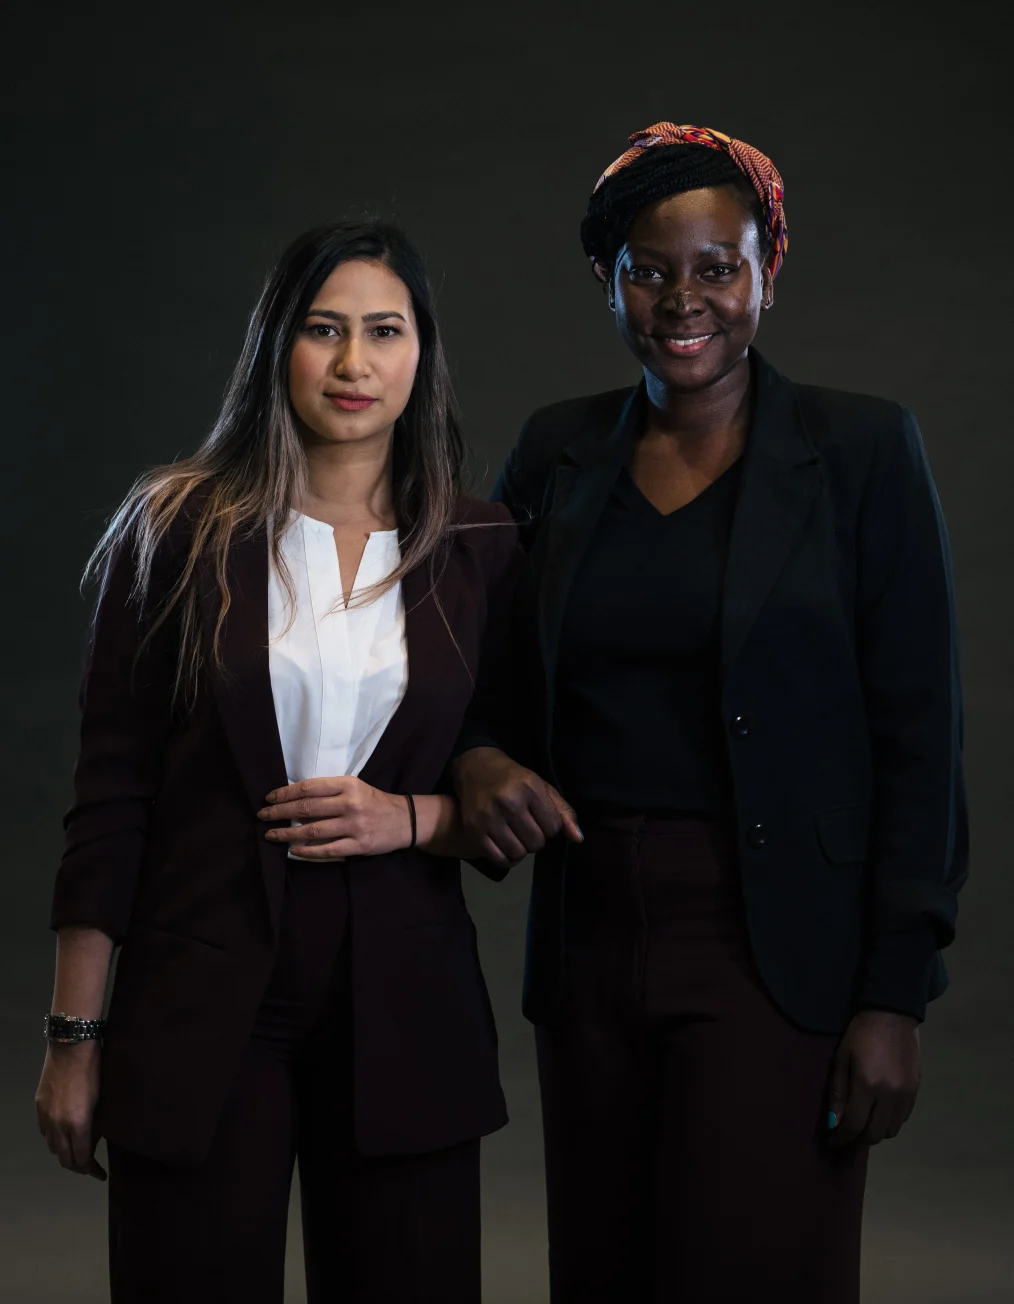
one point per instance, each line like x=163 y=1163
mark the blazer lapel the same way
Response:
x=429 y=620
x=781 y=475
x=581 y=487
x=242 y=688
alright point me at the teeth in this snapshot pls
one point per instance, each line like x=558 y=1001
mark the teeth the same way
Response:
x=683 y=344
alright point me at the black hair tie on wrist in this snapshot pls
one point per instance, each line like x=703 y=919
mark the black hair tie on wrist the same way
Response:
x=411 y=815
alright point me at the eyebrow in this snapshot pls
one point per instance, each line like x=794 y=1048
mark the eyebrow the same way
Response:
x=715 y=247
x=343 y=316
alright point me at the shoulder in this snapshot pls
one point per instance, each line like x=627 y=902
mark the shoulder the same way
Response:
x=484 y=532
x=831 y=413
x=544 y=439
x=549 y=430
x=863 y=441
x=477 y=511
x=862 y=425
x=860 y=437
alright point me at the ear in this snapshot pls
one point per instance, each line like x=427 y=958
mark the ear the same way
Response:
x=767 y=288
x=605 y=275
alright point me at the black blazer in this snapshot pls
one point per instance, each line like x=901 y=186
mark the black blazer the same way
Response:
x=164 y=853
x=841 y=698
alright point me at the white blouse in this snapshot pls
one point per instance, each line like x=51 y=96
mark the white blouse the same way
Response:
x=337 y=674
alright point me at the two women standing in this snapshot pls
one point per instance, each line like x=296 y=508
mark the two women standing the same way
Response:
x=730 y=648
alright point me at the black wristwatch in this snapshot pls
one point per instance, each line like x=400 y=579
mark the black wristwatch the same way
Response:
x=65 y=1031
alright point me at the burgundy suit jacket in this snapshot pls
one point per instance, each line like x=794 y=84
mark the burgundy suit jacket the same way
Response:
x=164 y=853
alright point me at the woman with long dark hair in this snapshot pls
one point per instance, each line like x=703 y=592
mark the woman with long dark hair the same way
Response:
x=739 y=665
x=300 y=607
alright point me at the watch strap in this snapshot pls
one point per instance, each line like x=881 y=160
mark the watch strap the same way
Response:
x=65 y=1029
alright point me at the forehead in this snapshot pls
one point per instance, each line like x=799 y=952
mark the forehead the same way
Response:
x=715 y=215
x=363 y=286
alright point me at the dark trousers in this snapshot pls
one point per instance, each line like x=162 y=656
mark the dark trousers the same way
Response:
x=389 y=1230
x=684 y=1117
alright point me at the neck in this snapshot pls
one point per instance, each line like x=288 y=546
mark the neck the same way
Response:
x=351 y=484
x=691 y=417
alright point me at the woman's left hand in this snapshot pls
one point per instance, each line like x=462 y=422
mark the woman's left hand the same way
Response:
x=346 y=817
x=875 y=1078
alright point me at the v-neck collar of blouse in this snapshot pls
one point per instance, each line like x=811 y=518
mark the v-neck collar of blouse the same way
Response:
x=379 y=553
x=632 y=496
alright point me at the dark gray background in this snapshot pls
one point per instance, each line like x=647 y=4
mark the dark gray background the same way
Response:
x=159 y=158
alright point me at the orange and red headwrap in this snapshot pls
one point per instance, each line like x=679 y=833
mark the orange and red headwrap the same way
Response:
x=757 y=167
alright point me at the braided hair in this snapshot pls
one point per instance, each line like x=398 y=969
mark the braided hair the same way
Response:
x=659 y=173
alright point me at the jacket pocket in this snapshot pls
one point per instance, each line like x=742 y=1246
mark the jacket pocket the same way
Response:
x=844 y=833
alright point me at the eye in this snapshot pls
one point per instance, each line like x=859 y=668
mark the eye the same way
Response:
x=720 y=271
x=387 y=332
x=645 y=274
x=319 y=330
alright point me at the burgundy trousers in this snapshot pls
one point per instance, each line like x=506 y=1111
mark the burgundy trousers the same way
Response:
x=684 y=1116
x=389 y=1230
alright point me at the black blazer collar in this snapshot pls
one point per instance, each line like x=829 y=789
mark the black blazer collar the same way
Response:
x=781 y=475
x=581 y=486
x=241 y=684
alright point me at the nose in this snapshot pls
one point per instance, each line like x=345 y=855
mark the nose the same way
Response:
x=351 y=362
x=683 y=300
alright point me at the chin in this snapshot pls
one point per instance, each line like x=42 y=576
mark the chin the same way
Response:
x=695 y=373
x=346 y=427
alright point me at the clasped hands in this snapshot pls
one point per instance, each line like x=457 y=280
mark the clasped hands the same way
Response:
x=344 y=817
x=506 y=812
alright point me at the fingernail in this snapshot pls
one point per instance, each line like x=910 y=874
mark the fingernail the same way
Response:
x=832 y=1119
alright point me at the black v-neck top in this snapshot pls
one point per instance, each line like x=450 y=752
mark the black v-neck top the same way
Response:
x=639 y=720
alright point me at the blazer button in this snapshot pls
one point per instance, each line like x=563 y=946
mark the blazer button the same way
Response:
x=757 y=837
x=739 y=726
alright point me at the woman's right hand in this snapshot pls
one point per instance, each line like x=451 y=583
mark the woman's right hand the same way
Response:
x=65 y=1105
x=510 y=809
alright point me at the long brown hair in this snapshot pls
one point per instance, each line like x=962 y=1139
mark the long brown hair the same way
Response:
x=251 y=468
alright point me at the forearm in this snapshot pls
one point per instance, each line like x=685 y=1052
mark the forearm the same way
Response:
x=83 y=957
x=470 y=765
x=439 y=829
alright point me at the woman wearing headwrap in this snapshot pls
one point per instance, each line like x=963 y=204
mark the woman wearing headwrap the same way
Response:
x=737 y=664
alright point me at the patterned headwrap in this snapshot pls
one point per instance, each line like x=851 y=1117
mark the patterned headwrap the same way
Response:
x=757 y=167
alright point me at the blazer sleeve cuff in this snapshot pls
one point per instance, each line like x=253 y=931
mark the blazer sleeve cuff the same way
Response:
x=69 y=917
x=900 y=972
x=472 y=736
x=86 y=894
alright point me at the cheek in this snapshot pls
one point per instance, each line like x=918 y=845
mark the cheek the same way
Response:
x=304 y=373
x=633 y=310
x=400 y=369
x=743 y=305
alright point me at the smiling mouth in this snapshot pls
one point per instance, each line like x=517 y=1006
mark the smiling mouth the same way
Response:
x=685 y=346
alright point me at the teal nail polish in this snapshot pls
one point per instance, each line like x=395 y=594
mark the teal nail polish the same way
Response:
x=832 y=1119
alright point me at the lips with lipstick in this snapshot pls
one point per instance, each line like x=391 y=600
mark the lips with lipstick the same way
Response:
x=685 y=346
x=352 y=402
